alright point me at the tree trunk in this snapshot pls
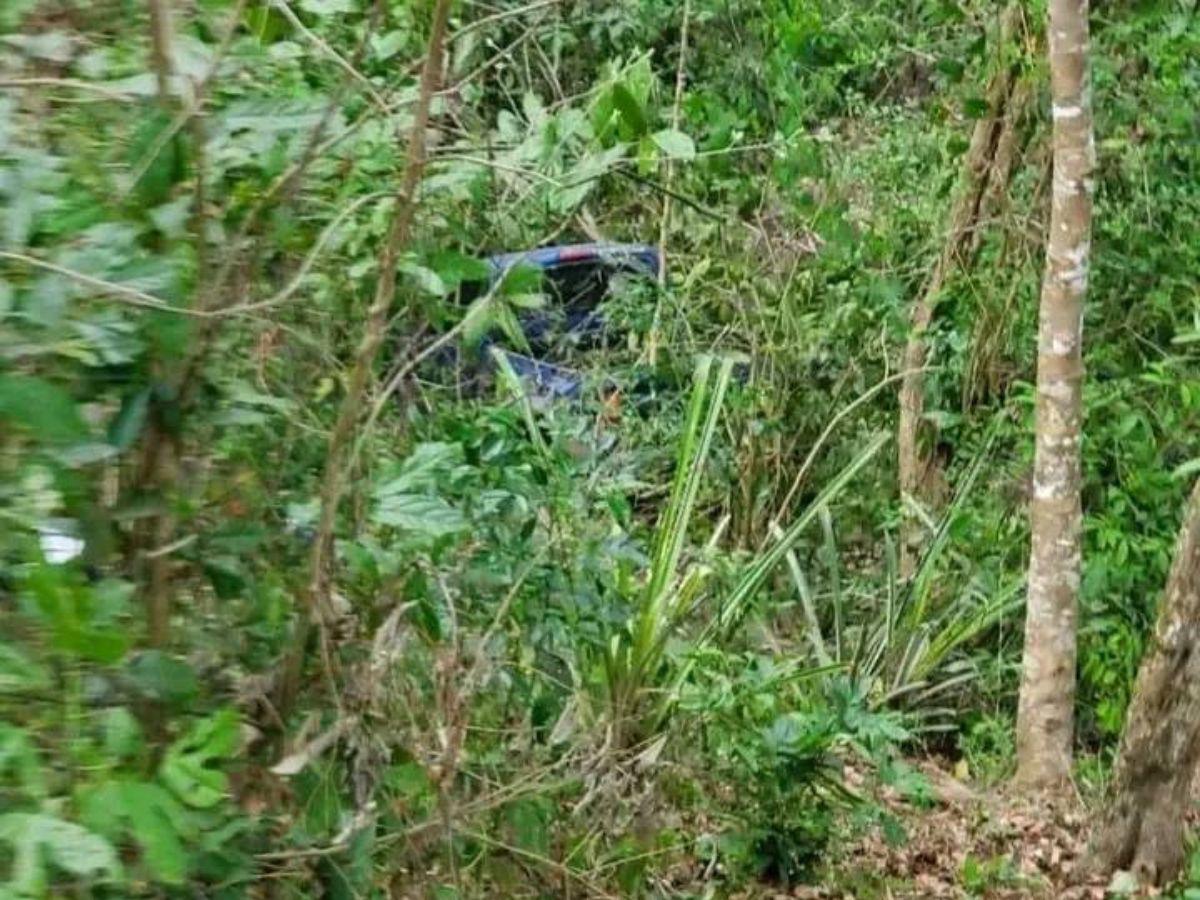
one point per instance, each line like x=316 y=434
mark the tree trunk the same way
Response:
x=968 y=216
x=160 y=47
x=1045 y=718
x=1143 y=826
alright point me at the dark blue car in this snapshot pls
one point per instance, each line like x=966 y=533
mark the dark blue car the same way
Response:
x=577 y=278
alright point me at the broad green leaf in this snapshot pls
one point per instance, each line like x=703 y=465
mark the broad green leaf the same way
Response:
x=385 y=46
x=647 y=155
x=477 y=322
x=41 y=408
x=188 y=768
x=420 y=513
x=602 y=114
x=38 y=839
x=633 y=118
x=158 y=156
x=1186 y=470
x=522 y=278
x=163 y=678
x=425 y=278
x=529 y=820
x=506 y=320
x=453 y=267
x=675 y=144
x=156 y=820
x=420 y=469
x=75 y=620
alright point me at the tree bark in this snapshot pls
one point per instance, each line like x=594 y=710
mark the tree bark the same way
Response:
x=315 y=596
x=1045 y=717
x=1143 y=824
x=157 y=469
x=161 y=31
x=968 y=215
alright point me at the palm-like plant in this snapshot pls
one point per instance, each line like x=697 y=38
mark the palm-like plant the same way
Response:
x=910 y=654
x=639 y=692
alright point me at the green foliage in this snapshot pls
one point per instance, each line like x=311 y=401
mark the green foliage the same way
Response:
x=507 y=574
x=988 y=747
x=782 y=748
x=979 y=877
x=40 y=842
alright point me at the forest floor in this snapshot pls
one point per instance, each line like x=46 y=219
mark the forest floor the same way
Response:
x=969 y=842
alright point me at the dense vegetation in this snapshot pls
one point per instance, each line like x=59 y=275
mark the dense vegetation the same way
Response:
x=654 y=641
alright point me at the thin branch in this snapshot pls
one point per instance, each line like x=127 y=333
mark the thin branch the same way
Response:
x=531 y=174
x=74 y=84
x=591 y=886
x=317 y=41
x=122 y=292
x=191 y=107
x=500 y=16
x=314 y=597
x=833 y=423
x=669 y=176
x=160 y=47
x=306 y=264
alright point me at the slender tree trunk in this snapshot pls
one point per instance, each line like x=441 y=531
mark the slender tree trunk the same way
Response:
x=314 y=600
x=1143 y=826
x=161 y=31
x=968 y=216
x=158 y=465
x=1045 y=719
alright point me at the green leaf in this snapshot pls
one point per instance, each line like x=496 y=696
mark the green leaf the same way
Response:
x=522 y=278
x=156 y=820
x=75 y=620
x=409 y=780
x=675 y=144
x=1186 y=470
x=37 y=839
x=454 y=268
x=129 y=421
x=122 y=733
x=420 y=513
x=420 y=470
x=385 y=46
x=506 y=320
x=43 y=409
x=327 y=7
x=161 y=160
x=633 y=118
x=647 y=155
x=529 y=820
x=602 y=114
x=425 y=279
x=188 y=767
x=19 y=756
x=976 y=108
x=163 y=678
x=477 y=322
x=19 y=674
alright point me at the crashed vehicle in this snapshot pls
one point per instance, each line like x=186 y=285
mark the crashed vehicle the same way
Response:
x=575 y=279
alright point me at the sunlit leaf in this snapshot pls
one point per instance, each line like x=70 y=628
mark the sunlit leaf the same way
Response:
x=675 y=144
x=420 y=513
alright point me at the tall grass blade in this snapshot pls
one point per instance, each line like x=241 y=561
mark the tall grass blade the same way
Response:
x=735 y=606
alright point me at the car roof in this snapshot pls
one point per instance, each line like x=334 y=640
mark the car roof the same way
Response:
x=640 y=256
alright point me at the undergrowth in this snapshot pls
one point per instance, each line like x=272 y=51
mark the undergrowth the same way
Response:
x=632 y=644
